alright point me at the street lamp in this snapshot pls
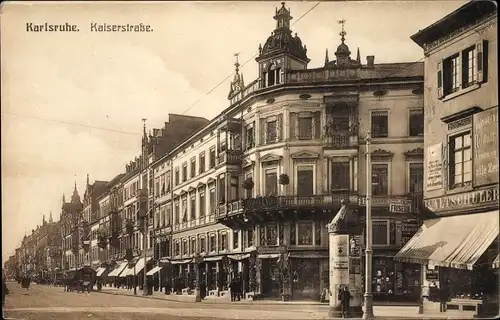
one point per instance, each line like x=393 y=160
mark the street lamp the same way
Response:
x=144 y=240
x=197 y=260
x=368 y=308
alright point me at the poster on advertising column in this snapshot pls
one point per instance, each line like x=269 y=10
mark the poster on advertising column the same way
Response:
x=434 y=164
x=485 y=149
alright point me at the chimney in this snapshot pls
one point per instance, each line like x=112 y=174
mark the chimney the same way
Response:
x=370 y=61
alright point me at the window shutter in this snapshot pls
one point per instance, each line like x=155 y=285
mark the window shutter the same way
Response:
x=263 y=131
x=482 y=59
x=317 y=124
x=293 y=125
x=279 y=127
x=440 y=79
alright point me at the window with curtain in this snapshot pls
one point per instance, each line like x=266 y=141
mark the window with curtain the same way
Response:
x=460 y=160
x=416 y=178
x=202 y=202
x=272 y=234
x=271 y=183
x=305 y=181
x=380 y=179
x=380 y=232
x=202 y=162
x=271 y=131
x=340 y=176
x=305 y=128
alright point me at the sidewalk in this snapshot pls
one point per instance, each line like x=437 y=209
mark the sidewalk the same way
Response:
x=385 y=311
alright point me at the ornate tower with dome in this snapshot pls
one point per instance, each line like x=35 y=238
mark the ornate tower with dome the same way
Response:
x=281 y=52
x=343 y=54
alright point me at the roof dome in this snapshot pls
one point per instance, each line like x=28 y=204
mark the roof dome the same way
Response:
x=342 y=49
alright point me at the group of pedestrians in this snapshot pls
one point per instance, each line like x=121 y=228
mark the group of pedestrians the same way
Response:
x=236 y=288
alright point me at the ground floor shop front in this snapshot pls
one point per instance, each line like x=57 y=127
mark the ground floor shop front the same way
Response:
x=289 y=275
x=457 y=255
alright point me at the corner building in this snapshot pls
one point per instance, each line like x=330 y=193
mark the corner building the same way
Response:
x=252 y=191
x=458 y=248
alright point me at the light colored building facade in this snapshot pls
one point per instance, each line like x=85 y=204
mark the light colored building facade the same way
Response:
x=461 y=160
x=253 y=190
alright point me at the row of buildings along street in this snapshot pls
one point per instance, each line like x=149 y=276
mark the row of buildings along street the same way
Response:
x=251 y=192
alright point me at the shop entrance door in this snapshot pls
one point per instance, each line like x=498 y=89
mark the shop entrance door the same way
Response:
x=203 y=280
x=305 y=279
x=270 y=278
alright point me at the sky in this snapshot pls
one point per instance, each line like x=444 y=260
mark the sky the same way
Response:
x=72 y=103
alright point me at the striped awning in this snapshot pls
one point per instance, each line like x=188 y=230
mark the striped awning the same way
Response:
x=118 y=270
x=100 y=271
x=456 y=241
x=139 y=265
x=153 y=271
x=496 y=262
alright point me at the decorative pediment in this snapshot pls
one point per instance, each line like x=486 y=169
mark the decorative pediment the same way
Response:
x=270 y=158
x=381 y=154
x=210 y=180
x=191 y=189
x=175 y=195
x=417 y=153
x=183 y=192
x=247 y=163
x=200 y=185
x=305 y=155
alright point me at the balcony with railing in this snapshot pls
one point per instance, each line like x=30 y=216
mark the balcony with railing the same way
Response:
x=229 y=157
x=242 y=212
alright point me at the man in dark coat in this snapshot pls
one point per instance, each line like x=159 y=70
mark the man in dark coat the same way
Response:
x=232 y=289
x=345 y=300
x=5 y=291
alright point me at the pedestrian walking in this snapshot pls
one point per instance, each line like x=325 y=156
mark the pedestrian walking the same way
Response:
x=5 y=291
x=444 y=293
x=238 y=288
x=232 y=289
x=345 y=300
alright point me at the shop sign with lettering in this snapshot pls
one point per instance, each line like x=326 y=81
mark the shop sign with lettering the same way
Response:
x=466 y=199
x=485 y=128
x=400 y=206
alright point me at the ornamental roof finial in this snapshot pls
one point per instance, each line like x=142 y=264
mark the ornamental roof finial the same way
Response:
x=342 y=33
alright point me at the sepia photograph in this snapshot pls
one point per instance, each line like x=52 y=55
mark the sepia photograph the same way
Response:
x=249 y=160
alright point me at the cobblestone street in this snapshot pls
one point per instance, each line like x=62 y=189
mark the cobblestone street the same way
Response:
x=48 y=302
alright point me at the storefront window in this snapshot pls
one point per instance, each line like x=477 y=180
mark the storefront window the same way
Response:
x=272 y=234
x=305 y=233
x=379 y=232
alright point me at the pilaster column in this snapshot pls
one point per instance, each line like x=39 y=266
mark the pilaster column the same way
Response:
x=257 y=177
x=287 y=169
x=257 y=129
x=324 y=175
x=355 y=173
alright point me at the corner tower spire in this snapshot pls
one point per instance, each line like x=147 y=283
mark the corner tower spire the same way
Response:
x=237 y=85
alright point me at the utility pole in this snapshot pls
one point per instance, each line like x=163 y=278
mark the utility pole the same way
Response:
x=368 y=309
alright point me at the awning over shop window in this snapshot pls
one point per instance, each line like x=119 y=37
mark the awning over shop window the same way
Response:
x=456 y=241
x=217 y=258
x=118 y=270
x=496 y=262
x=138 y=267
x=239 y=257
x=100 y=271
x=181 y=261
x=268 y=256
x=153 y=271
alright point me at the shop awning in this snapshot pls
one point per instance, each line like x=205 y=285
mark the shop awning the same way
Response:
x=217 y=258
x=153 y=271
x=456 y=241
x=127 y=271
x=269 y=256
x=239 y=257
x=496 y=262
x=100 y=271
x=138 y=266
x=118 y=270
x=181 y=261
